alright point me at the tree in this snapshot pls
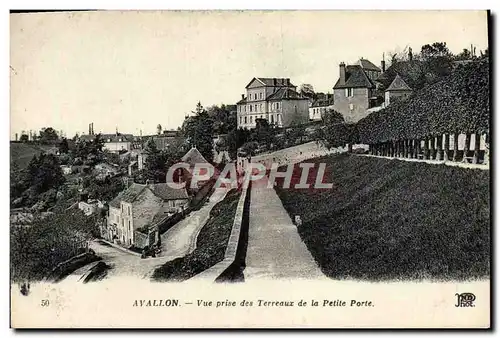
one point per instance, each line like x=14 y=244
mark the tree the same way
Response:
x=464 y=55
x=437 y=49
x=235 y=139
x=48 y=135
x=63 y=146
x=307 y=90
x=24 y=137
x=199 y=131
x=155 y=169
x=263 y=132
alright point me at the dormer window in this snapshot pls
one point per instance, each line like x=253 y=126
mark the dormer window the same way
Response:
x=348 y=92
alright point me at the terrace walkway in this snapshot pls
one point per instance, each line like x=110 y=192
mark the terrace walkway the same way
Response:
x=275 y=249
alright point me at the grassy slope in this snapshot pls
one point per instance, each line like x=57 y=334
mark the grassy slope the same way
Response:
x=388 y=219
x=210 y=246
x=22 y=153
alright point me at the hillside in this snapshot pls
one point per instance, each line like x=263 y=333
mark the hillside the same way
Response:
x=22 y=153
x=390 y=220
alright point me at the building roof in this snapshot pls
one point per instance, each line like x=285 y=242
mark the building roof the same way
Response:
x=110 y=137
x=165 y=192
x=412 y=72
x=272 y=82
x=368 y=65
x=285 y=93
x=323 y=102
x=243 y=100
x=398 y=84
x=128 y=195
x=355 y=77
x=193 y=156
x=161 y=190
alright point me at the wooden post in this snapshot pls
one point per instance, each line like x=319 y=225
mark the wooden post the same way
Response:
x=405 y=148
x=446 y=152
x=486 y=149
x=419 y=147
x=426 y=148
x=477 y=140
x=455 y=147
x=466 y=147
x=432 y=151
x=439 y=145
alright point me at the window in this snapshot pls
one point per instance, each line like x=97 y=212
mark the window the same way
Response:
x=241 y=119
x=250 y=107
x=255 y=106
x=245 y=120
x=251 y=119
x=272 y=118
x=260 y=106
x=348 y=92
x=261 y=96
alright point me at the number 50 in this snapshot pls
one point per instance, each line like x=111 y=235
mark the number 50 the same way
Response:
x=45 y=302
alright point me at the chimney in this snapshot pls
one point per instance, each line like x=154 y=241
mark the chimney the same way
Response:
x=287 y=81
x=90 y=129
x=342 y=73
x=382 y=65
x=410 y=54
x=242 y=96
x=275 y=82
x=16 y=136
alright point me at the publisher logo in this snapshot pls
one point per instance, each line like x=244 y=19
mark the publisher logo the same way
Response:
x=465 y=299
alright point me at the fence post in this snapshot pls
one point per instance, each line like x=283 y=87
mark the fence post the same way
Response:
x=477 y=140
x=426 y=148
x=455 y=147
x=466 y=147
x=446 y=147
x=486 y=150
x=439 y=146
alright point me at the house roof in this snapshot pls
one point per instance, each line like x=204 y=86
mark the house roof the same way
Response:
x=355 y=77
x=128 y=195
x=323 y=102
x=271 y=82
x=165 y=192
x=412 y=72
x=161 y=190
x=244 y=100
x=368 y=65
x=398 y=84
x=285 y=93
x=193 y=156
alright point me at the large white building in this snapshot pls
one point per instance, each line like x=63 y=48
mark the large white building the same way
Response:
x=273 y=99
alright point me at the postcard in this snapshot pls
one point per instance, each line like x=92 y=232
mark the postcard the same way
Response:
x=250 y=169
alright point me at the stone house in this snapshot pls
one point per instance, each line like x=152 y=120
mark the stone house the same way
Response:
x=355 y=90
x=273 y=99
x=397 y=90
x=135 y=209
x=320 y=106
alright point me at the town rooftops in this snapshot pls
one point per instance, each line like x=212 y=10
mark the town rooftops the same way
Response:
x=272 y=82
x=398 y=84
x=108 y=137
x=161 y=190
x=355 y=77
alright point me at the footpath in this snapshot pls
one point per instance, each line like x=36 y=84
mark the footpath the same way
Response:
x=275 y=249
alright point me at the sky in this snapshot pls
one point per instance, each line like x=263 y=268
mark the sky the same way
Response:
x=131 y=70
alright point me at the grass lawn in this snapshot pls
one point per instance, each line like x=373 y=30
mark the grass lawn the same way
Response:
x=391 y=220
x=210 y=246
